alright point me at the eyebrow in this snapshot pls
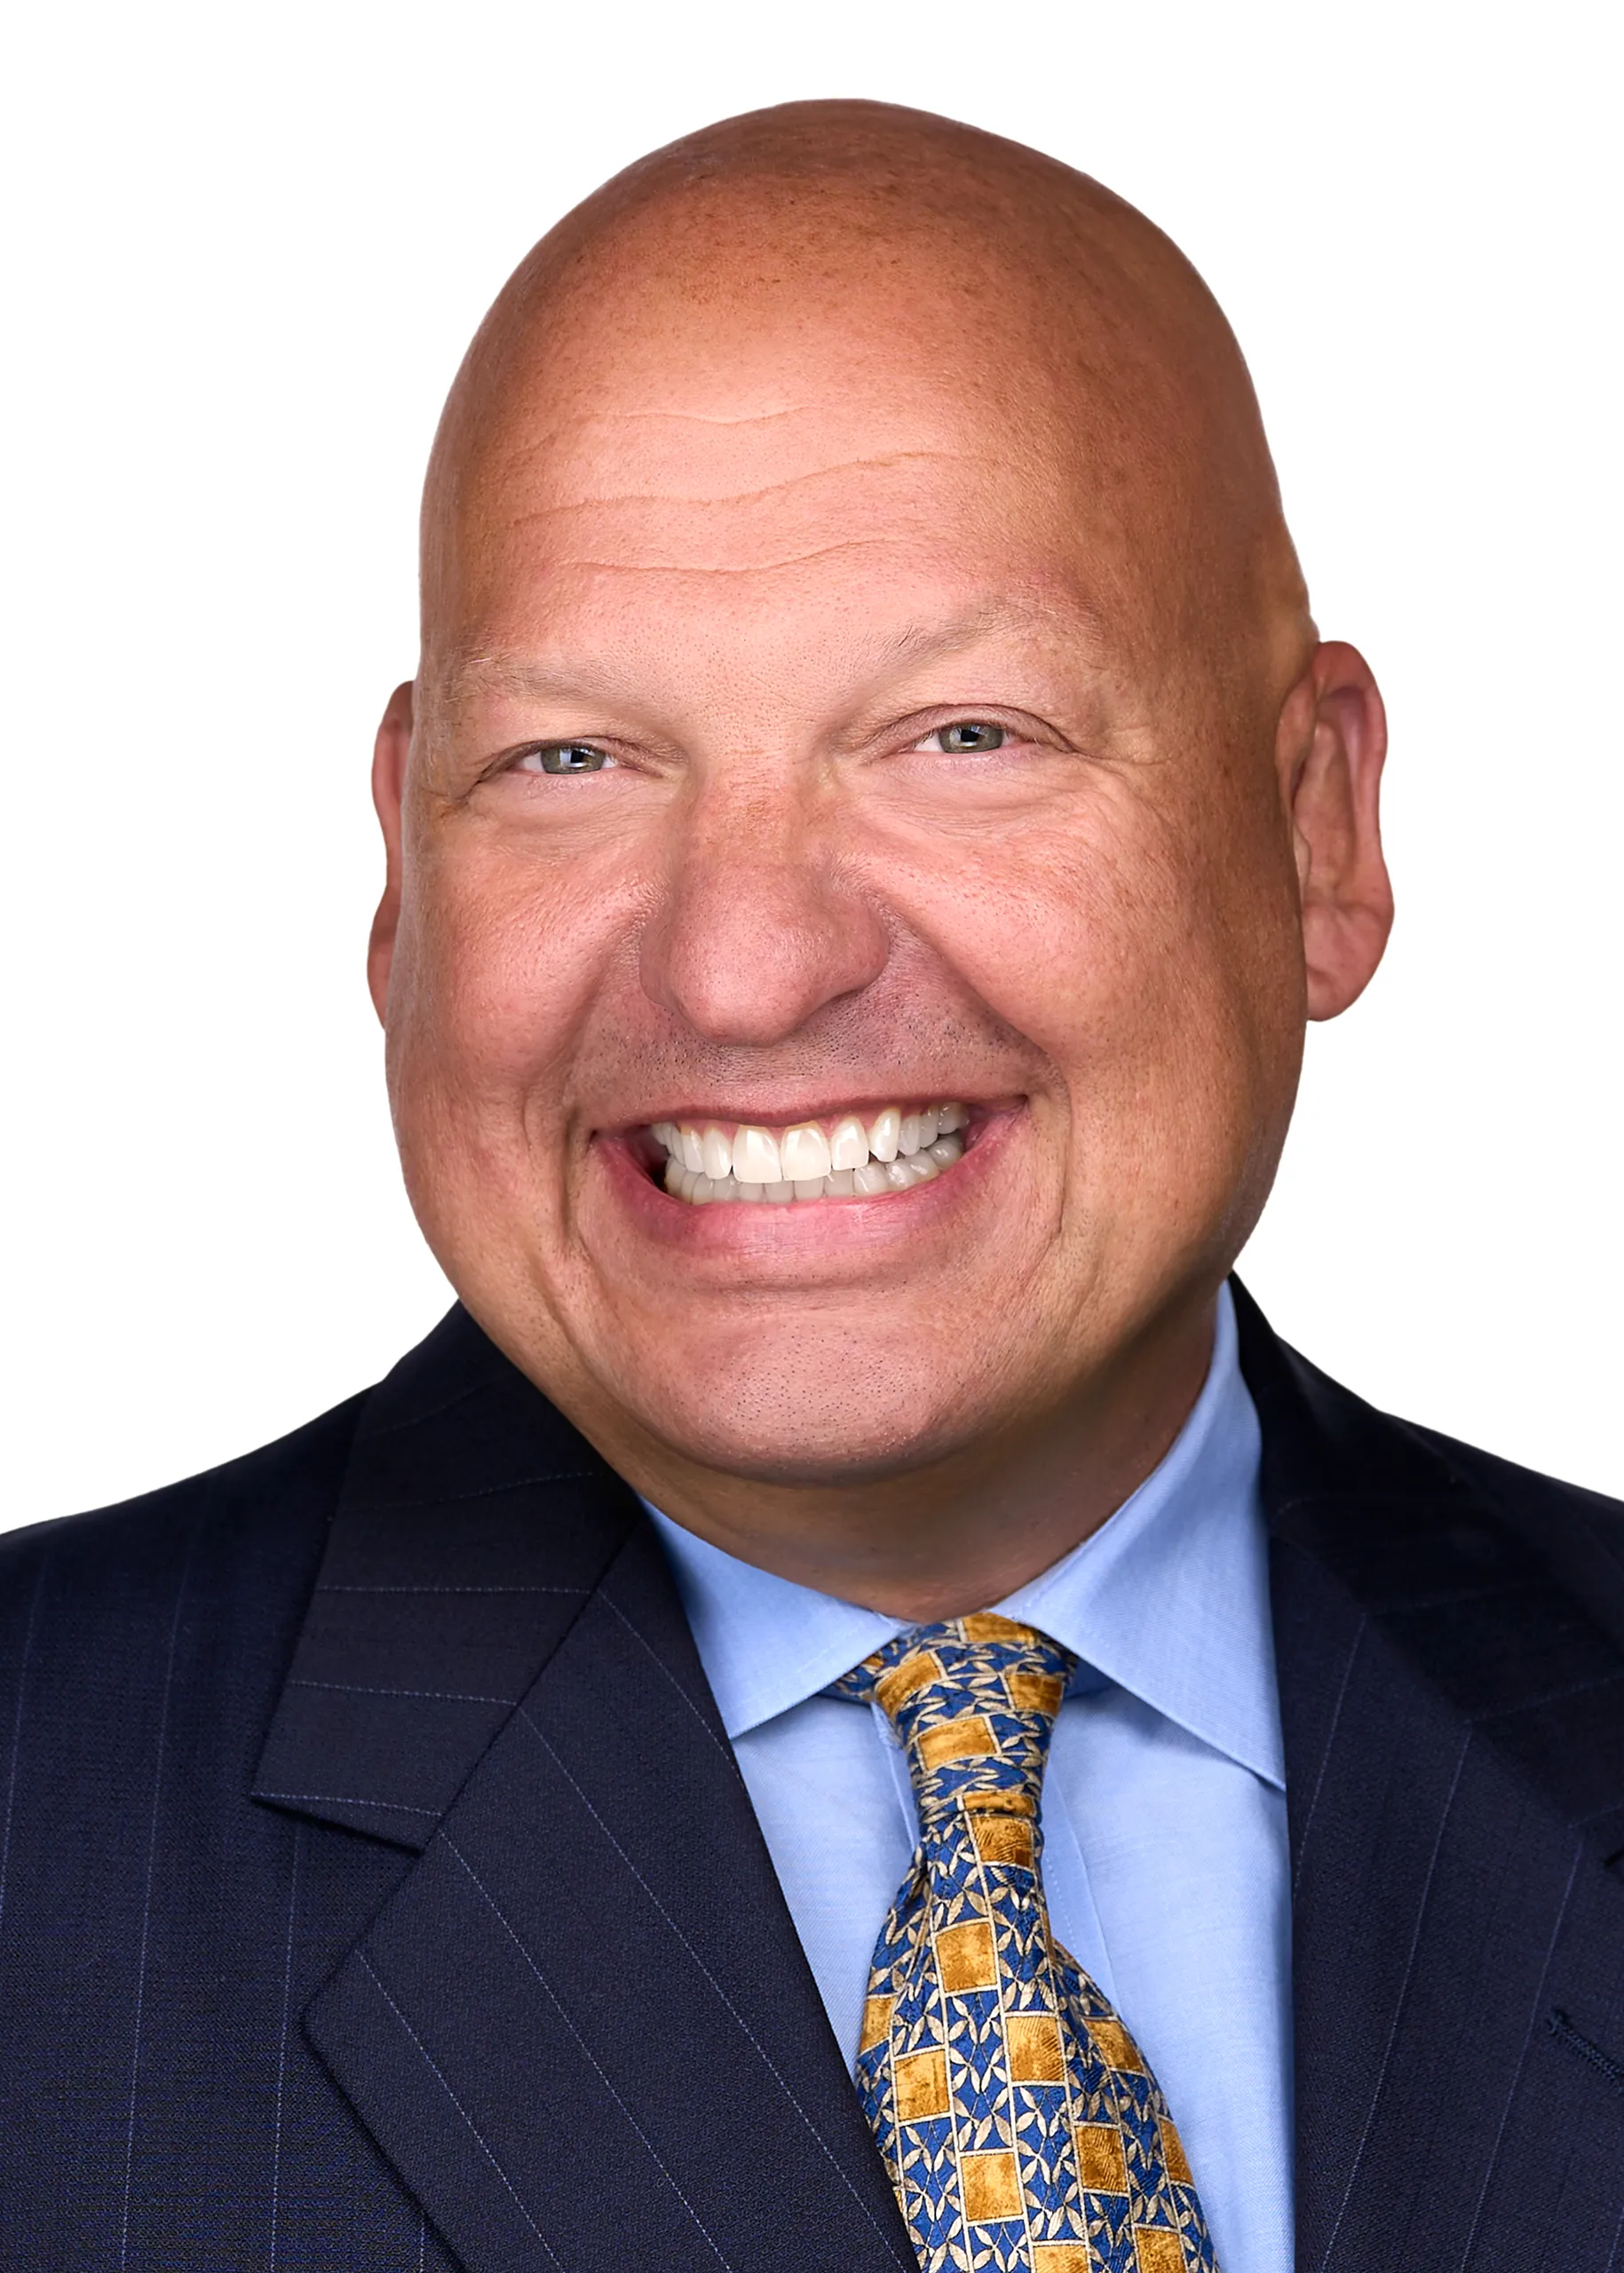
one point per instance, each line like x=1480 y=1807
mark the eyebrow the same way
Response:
x=539 y=679
x=920 y=642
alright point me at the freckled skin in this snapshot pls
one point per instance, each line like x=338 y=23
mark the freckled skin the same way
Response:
x=792 y=446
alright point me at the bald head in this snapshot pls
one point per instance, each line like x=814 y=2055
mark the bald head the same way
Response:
x=906 y=281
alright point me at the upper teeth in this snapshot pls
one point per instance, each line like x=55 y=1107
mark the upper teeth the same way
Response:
x=852 y=1159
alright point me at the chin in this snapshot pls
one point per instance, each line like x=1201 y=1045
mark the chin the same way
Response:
x=858 y=1421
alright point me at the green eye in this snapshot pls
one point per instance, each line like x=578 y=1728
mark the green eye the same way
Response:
x=566 y=758
x=967 y=736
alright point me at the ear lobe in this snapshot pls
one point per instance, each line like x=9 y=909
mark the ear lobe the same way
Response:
x=389 y=755
x=1333 y=742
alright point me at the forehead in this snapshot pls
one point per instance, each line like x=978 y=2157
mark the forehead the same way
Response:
x=685 y=561
x=718 y=460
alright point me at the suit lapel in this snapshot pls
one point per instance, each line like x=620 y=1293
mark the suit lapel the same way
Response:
x=582 y=2028
x=583 y=2031
x=473 y=1525
x=1454 y=1740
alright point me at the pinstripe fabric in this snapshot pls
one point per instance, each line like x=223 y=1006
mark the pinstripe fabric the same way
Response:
x=494 y=1972
x=157 y=2106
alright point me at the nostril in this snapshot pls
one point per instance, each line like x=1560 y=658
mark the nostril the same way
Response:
x=746 y=954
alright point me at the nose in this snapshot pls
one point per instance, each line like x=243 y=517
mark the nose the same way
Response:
x=761 y=923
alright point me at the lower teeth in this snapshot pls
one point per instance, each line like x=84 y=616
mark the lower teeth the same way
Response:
x=866 y=1182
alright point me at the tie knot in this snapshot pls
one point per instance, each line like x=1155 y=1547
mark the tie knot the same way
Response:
x=974 y=1701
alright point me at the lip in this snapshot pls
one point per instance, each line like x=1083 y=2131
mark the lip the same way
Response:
x=811 y=1231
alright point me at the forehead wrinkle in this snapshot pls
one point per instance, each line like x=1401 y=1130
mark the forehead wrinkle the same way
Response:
x=890 y=499
x=566 y=423
x=723 y=568
x=883 y=460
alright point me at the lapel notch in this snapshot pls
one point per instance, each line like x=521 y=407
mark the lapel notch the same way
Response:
x=582 y=2027
x=473 y=1525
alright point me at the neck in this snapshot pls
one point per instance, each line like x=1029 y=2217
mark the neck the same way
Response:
x=967 y=1530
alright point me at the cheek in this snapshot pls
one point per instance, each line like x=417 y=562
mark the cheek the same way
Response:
x=1096 y=943
x=499 y=961
x=1146 y=974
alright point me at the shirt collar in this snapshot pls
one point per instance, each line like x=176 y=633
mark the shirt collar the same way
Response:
x=1168 y=1599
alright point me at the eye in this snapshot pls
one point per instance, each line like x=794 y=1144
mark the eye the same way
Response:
x=966 y=737
x=563 y=757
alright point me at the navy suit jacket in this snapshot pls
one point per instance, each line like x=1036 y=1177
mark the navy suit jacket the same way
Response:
x=377 y=1891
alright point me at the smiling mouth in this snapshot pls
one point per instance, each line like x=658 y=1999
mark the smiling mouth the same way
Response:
x=847 y=1158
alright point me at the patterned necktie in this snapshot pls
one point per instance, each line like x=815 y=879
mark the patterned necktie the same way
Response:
x=1022 y=2129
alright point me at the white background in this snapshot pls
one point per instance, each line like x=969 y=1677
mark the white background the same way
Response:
x=251 y=242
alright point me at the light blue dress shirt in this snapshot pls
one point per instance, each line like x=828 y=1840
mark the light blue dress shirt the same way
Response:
x=1164 y=1809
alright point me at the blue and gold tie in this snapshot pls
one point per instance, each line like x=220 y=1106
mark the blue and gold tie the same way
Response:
x=1023 y=2131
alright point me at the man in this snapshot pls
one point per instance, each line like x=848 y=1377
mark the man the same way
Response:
x=851 y=1707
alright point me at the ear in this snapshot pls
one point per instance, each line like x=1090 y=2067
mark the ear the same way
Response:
x=389 y=755
x=1333 y=738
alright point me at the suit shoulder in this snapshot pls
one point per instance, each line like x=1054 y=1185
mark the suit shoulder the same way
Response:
x=1577 y=1534
x=1527 y=1488
x=287 y=1488
x=1325 y=1449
